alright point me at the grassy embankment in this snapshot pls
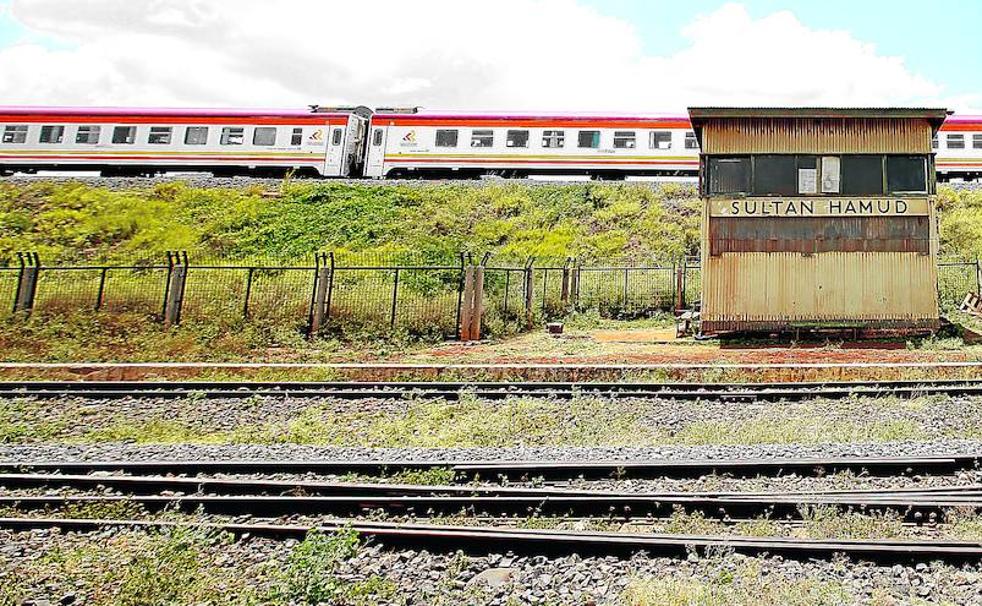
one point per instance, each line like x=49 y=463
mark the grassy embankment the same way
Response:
x=72 y=223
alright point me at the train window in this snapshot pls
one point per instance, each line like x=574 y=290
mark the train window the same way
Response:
x=589 y=138
x=15 y=133
x=377 y=137
x=976 y=141
x=625 y=139
x=196 y=135
x=297 y=137
x=729 y=175
x=517 y=138
x=446 y=138
x=160 y=135
x=775 y=175
x=124 y=135
x=232 y=135
x=264 y=135
x=906 y=174
x=934 y=142
x=52 y=134
x=338 y=135
x=956 y=141
x=690 y=140
x=482 y=138
x=862 y=175
x=553 y=138
x=88 y=135
x=660 y=139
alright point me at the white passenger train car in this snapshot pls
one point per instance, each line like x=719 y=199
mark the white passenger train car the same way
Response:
x=959 y=148
x=131 y=141
x=406 y=143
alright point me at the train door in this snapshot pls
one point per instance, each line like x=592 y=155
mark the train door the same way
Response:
x=374 y=165
x=335 y=150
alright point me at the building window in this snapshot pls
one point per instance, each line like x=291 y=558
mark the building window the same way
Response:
x=862 y=175
x=446 y=138
x=729 y=175
x=15 y=133
x=517 y=138
x=690 y=140
x=377 y=137
x=88 y=135
x=159 y=135
x=956 y=141
x=482 y=138
x=906 y=174
x=589 y=138
x=124 y=135
x=264 y=135
x=196 y=135
x=775 y=175
x=625 y=139
x=976 y=141
x=660 y=139
x=553 y=138
x=52 y=134
x=297 y=137
x=232 y=135
x=337 y=136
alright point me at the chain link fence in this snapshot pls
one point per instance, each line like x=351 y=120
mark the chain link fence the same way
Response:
x=376 y=295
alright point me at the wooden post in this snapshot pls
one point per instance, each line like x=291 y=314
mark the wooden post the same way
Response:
x=27 y=282
x=575 y=286
x=680 y=287
x=319 y=315
x=467 y=304
x=175 y=293
x=477 y=303
x=528 y=296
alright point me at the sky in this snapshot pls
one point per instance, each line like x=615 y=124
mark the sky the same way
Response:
x=605 y=55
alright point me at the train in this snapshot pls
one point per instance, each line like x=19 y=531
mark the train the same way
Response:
x=384 y=143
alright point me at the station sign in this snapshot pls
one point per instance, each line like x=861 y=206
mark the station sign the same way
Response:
x=819 y=207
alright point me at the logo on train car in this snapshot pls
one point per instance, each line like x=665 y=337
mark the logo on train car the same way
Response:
x=409 y=139
x=316 y=137
x=810 y=207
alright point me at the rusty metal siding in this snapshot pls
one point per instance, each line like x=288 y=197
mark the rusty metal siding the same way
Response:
x=778 y=289
x=810 y=235
x=816 y=136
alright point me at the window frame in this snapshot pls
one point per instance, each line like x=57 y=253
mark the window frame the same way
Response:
x=953 y=137
x=522 y=134
x=337 y=136
x=553 y=139
x=976 y=140
x=52 y=128
x=196 y=129
x=15 y=132
x=377 y=137
x=88 y=130
x=166 y=132
x=228 y=133
x=653 y=137
x=296 y=136
x=129 y=139
x=691 y=141
x=595 y=138
x=623 y=137
x=440 y=137
x=265 y=130
x=479 y=136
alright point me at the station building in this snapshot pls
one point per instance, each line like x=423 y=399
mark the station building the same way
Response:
x=817 y=218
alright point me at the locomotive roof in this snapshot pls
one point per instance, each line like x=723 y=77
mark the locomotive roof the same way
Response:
x=33 y=110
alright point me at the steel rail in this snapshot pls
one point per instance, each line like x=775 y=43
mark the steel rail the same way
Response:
x=918 y=509
x=525 y=470
x=492 y=391
x=481 y=541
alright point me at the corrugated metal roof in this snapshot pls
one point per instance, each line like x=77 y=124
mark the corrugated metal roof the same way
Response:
x=818 y=112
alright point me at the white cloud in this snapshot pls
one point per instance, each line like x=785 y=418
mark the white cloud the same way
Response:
x=509 y=54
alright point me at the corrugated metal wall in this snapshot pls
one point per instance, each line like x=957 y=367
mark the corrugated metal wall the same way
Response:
x=834 y=287
x=816 y=136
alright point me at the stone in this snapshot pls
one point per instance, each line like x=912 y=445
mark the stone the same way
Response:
x=493 y=577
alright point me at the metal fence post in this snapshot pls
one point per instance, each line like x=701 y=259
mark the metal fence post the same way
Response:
x=528 y=292
x=575 y=287
x=564 y=288
x=102 y=288
x=248 y=291
x=27 y=282
x=679 y=287
x=477 y=303
x=175 y=289
x=460 y=297
x=978 y=276
x=395 y=300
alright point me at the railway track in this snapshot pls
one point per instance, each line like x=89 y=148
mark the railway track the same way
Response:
x=524 y=470
x=729 y=392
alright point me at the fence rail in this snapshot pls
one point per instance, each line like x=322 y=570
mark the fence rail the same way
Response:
x=349 y=294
